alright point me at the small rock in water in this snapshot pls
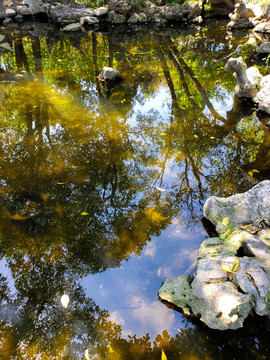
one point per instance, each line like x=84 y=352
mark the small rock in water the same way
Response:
x=72 y=27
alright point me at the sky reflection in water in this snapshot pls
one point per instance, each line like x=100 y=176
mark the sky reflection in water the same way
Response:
x=102 y=189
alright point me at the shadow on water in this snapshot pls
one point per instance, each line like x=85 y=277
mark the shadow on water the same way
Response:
x=103 y=192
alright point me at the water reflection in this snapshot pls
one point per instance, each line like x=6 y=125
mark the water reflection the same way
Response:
x=102 y=192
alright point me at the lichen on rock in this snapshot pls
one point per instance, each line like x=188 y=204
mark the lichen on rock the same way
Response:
x=232 y=275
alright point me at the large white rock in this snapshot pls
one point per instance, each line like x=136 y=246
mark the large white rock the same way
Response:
x=248 y=79
x=263 y=96
x=252 y=206
x=232 y=275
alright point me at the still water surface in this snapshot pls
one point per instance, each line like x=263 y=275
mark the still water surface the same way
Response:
x=102 y=189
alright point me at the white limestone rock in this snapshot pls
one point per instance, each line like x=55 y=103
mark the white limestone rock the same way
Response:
x=263 y=96
x=248 y=79
x=249 y=207
x=232 y=275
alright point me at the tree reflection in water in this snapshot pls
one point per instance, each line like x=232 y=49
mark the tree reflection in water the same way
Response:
x=83 y=174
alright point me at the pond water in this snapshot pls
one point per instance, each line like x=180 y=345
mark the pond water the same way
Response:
x=102 y=190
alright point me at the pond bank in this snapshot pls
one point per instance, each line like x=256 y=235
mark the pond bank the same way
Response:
x=76 y=15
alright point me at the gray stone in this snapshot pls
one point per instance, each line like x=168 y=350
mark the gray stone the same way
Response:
x=110 y=74
x=31 y=7
x=173 y=13
x=259 y=247
x=158 y=18
x=225 y=287
x=263 y=27
x=264 y=48
x=242 y=18
x=250 y=83
x=120 y=6
x=66 y=15
x=10 y=12
x=193 y=9
x=100 y=12
x=19 y=18
x=198 y=20
x=72 y=27
x=137 y=18
x=240 y=23
x=7 y=21
x=266 y=13
x=115 y=18
x=242 y=10
x=222 y=8
x=249 y=207
x=88 y=20
x=263 y=96
x=248 y=79
x=220 y=305
x=177 y=292
x=150 y=9
x=251 y=278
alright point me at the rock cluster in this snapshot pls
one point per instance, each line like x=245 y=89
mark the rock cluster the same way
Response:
x=232 y=275
x=263 y=25
x=250 y=83
x=242 y=17
x=123 y=11
x=117 y=12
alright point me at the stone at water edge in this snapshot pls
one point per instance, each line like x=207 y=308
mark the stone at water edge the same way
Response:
x=252 y=206
x=100 y=12
x=263 y=28
x=88 y=20
x=264 y=48
x=72 y=27
x=232 y=275
x=177 y=292
x=248 y=79
x=110 y=74
x=31 y=7
x=263 y=96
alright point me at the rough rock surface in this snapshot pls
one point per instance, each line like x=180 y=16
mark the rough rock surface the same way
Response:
x=266 y=13
x=264 y=48
x=67 y=15
x=89 y=20
x=221 y=8
x=263 y=96
x=137 y=18
x=174 y=13
x=242 y=18
x=120 y=7
x=232 y=275
x=250 y=83
x=263 y=27
x=72 y=27
x=110 y=76
x=248 y=79
x=100 y=12
x=250 y=207
x=116 y=18
x=31 y=7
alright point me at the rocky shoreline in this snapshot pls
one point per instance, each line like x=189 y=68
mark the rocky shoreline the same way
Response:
x=76 y=15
